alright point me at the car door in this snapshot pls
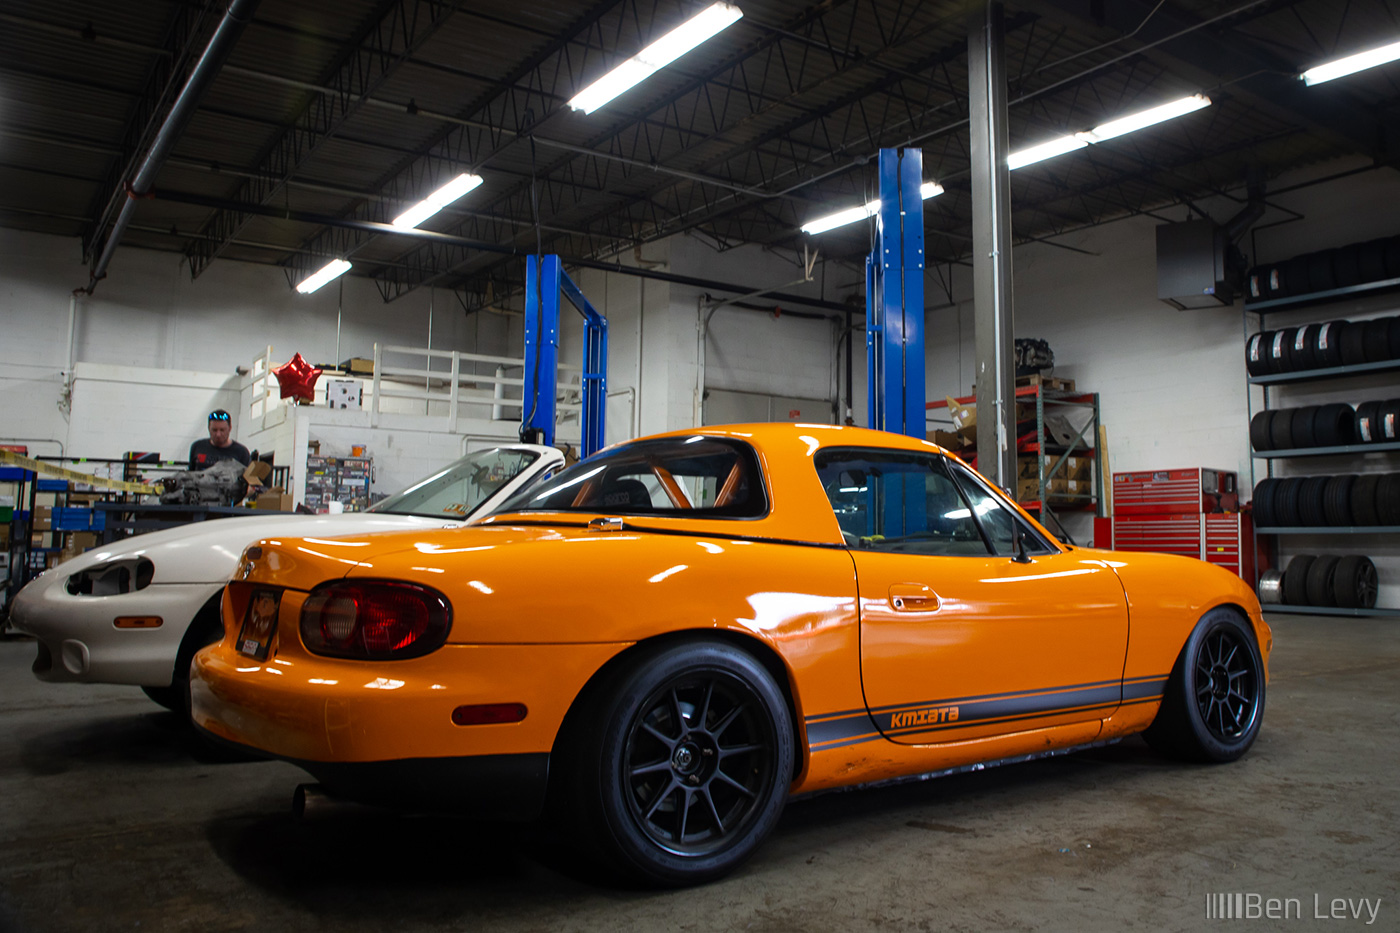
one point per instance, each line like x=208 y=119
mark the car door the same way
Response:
x=962 y=637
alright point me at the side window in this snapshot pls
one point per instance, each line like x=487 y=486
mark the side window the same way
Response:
x=898 y=501
x=998 y=522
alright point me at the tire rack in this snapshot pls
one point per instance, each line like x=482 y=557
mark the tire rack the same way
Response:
x=1265 y=382
x=1051 y=458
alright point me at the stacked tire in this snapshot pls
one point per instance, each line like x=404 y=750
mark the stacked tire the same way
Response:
x=1324 y=270
x=1347 y=500
x=1333 y=425
x=1322 y=345
x=1326 y=580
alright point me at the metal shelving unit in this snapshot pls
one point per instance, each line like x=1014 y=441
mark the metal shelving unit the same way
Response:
x=1270 y=380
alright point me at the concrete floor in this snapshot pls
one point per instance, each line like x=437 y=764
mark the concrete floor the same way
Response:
x=113 y=818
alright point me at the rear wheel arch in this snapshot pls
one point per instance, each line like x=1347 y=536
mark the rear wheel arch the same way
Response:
x=760 y=650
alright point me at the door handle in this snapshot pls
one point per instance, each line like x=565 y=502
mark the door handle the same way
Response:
x=913 y=597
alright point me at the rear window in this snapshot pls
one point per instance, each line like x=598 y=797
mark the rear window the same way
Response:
x=694 y=477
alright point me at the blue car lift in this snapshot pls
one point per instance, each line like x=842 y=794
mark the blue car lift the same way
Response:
x=894 y=323
x=545 y=282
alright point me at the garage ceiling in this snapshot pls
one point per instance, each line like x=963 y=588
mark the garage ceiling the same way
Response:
x=327 y=117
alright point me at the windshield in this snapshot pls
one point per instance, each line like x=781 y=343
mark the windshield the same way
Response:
x=694 y=477
x=459 y=489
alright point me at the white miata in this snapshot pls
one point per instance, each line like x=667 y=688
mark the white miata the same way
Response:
x=136 y=611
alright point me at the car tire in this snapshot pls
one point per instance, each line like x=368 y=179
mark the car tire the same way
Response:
x=1353 y=343
x=1312 y=501
x=1281 y=430
x=691 y=767
x=1214 y=700
x=1286 y=500
x=1303 y=432
x=1263 y=503
x=206 y=628
x=1259 y=431
x=1377 y=340
x=1354 y=583
x=1334 y=425
x=1363 y=499
x=169 y=697
x=1256 y=353
x=1328 y=351
x=1368 y=423
x=1295 y=580
x=1337 y=499
x=1320 y=578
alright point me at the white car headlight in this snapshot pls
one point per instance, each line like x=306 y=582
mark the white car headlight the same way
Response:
x=113 y=577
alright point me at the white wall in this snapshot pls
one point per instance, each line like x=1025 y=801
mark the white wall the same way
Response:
x=148 y=314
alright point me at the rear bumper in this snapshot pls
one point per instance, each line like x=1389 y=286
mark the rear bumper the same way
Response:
x=382 y=733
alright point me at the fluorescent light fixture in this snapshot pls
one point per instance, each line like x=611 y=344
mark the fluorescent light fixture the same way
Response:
x=659 y=54
x=436 y=201
x=1107 y=131
x=1146 y=118
x=1351 y=64
x=929 y=189
x=1044 y=151
x=330 y=271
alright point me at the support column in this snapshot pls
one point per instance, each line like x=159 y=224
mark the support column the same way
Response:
x=991 y=249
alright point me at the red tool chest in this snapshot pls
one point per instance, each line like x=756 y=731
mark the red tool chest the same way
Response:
x=1193 y=512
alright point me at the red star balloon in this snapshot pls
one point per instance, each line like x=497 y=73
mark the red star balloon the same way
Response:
x=297 y=379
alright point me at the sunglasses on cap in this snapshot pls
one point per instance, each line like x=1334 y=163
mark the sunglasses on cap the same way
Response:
x=219 y=415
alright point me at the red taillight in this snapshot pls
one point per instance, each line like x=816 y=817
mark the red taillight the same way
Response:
x=374 y=620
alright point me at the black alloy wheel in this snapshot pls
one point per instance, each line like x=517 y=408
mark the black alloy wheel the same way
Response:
x=1354 y=584
x=1215 y=698
x=692 y=768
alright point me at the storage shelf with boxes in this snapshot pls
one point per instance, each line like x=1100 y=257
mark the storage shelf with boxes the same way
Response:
x=1057 y=454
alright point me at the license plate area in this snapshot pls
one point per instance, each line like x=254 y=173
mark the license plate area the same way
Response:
x=259 y=624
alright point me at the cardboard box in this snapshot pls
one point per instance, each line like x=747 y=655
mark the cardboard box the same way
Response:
x=948 y=440
x=1027 y=490
x=257 y=472
x=42 y=519
x=275 y=499
x=359 y=366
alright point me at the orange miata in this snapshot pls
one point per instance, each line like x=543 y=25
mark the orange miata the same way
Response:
x=673 y=637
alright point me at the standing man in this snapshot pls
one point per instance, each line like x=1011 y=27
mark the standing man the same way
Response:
x=219 y=446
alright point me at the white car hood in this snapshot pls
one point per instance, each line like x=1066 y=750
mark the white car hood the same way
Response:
x=208 y=551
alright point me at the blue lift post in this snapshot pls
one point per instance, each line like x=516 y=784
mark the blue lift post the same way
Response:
x=545 y=282
x=894 y=323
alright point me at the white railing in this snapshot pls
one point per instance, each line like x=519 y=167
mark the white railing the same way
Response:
x=405 y=381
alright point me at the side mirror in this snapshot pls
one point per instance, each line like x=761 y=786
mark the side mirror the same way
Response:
x=1021 y=556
